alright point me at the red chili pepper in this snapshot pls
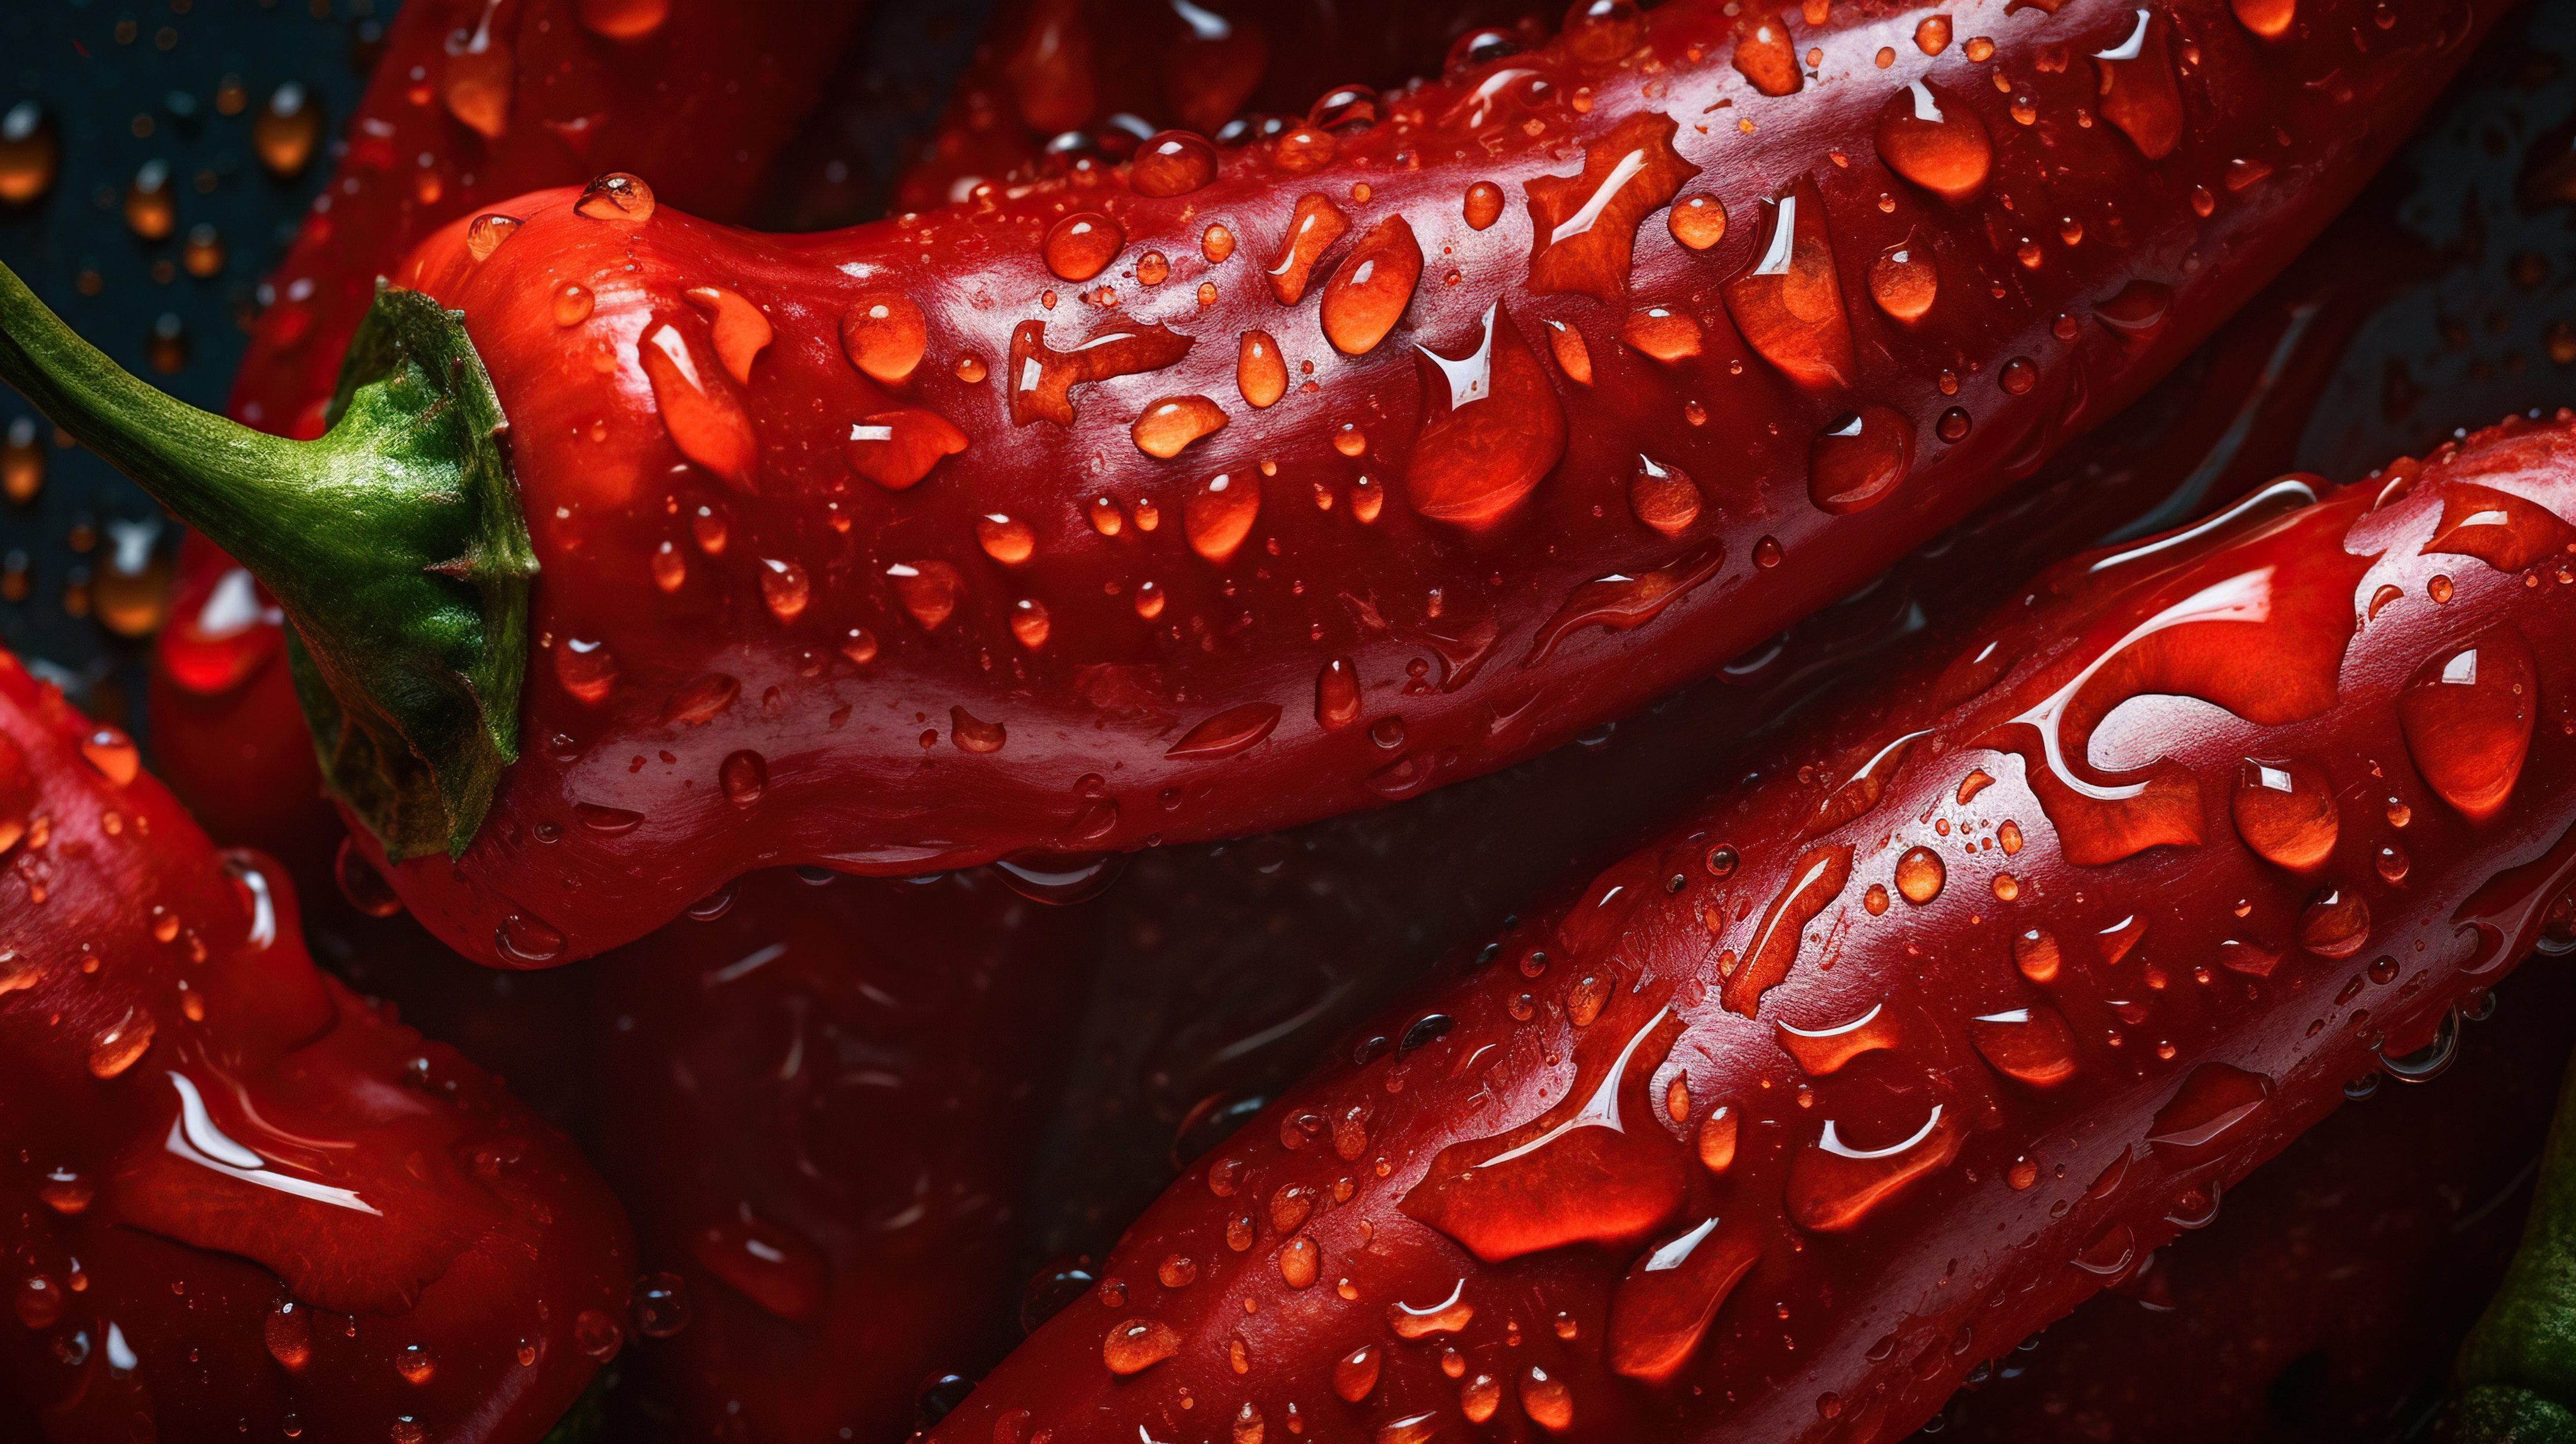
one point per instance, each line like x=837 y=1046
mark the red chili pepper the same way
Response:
x=1976 y=992
x=1072 y=86
x=477 y=100
x=2327 y=1299
x=726 y=678
x=823 y=1106
x=246 y=1201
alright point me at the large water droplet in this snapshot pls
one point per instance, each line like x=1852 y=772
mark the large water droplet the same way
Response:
x=2335 y=923
x=1815 y=880
x=1042 y=379
x=1236 y=729
x=885 y=335
x=2467 y=716
x=2285 y=811
x=1546 y=1399
x=1219 y=515
x=1337 y=695
x=1663 y=1306
x=1621 y=603
x=1833 y=1185
x=1858 y=461
x=616 y=196
x=1493 y=427
x=1935 y=140
x=1788 y=302
x=2207 y=1113
x=2505 y=531
x=1663 y=497
x=1312 y=228
x=1369 y=290
x=704 y=417
x=927 y=589
x=2032 y=1045
x=1824 y=1050
x=1172 y=163
x=897 y=448
x=1165 y=428
x=2139 y=92
x=1583 y=228
x=1082 y=245
x=1905 y=281
x=1576 y=1173
x=118 y=1044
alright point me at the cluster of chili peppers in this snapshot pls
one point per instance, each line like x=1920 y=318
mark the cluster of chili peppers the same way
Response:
x=1178 y=467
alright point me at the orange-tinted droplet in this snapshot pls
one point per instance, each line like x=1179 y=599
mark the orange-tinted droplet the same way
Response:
x=1583 y=228
x=1813 y=882
x=31 y=153
x=2269 y=19
x=2031 y=1045
x=1139 y=1344
x=288 y=1332
x=885 y=335
x=1824 y=1049
x=1494 y=427
x=1312 y=228
x=1172 y=163
x=1484 y=205
x=1337 y=695
x=784 y=588
x=287 y=129
x=1932 y=34
x=1355 y=1374
x=1082 y=245
x=114 y=754
x=1698 y=222
x=2335 y=923
x=1766 y=56
x=1006 y=539
x=1717 y=1140
x=1369 y=290
x=2467 y=716
x=1919 y=875
x=2139 y=93
x=22 y=461
x=1029 y=624
x=1856 y=463
x=118 y=1044
x=928 y=590
x=487 y=232
x=587 y=670
x=897 y=448
x=624 y=19
x=1546 y=1399
x=2285 y=811
x=151 y=211
x=1260 y=373
x=1660 y=332
x=1788 y=303
x=616 y=196
x=1663 y=497
x=704 y=418
x=1663 y=1306
x=740 y=331
x=572 y=304
x=1219 y=515
x=1935 y=140
x=973 y=734
x=2036 y=954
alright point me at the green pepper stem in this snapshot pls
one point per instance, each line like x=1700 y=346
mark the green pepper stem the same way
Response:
x=2516 y=1377
x=394 y=543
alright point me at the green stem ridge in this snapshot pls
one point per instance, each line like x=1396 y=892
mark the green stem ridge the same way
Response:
x=2515 y=1381
x=394 y=543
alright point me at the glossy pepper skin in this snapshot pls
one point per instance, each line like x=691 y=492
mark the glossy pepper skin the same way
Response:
x=1934 y=1025
x=723 y=677
x=472 y=102
x=821 y=1106
x=245 y=1200
x=1070 y=86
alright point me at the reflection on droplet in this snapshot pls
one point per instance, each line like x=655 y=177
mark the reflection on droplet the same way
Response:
x=1494 y=427
x=2467 y=716
x=2138 y=91
x=1312 y=228
x=885 y=335
x=1834 y=1185
x=1698 y=222
x=1788 y=303
x=1369 y=290
x=287 y=129
x=2285 y=811
x=1166 y=427
x=487 y=232
x=1814 y=881
x=896 y=449
x=1082 y=245
x=1663 y=497
x=1936 y=141
x=1824 y=1050
x=2031 y=1045
x=616 y=196
x=1857 y=462
x=1905 y=282
x=1663 y=1306
x=1583 y=228
x=2209 y=1111
x=2335 y=923
x=1219 y=515
x=1172 y=163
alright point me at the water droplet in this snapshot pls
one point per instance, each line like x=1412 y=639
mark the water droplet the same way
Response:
x=1919 y=875
x=2032 y=1045
x=1237 y=729
x=288 y=1332
x=107 y=748
x=624 y=19
x=972 y=734
x=745 y=776
x=1082 y=245
x=928 y=590
x=1824 y=1050
x=2335 y=923
x=1219 y=515
x=1603 y=32
x=896 y=449
x=1934 y=139
x=572 y=304
x=1546 y=1399
x=2137 y=314
x=1815 y=881
x=1717 y=1140
x=2467 y=716
x=1480 y=1397
x=1583 y=228
x=1661 y=333
x=885 y=336
x=1259 y=371
x=1005 y=539
x=1663 y=497
x=1172 y=163
x=1042 y=378
x=1312 y=228
x=616 y=196
x=120 y=1043
x=2035 y=953
x=1788 y=303
x=2285 y=811
x=1575 y=1173
x=1621 y=603
x=2138 y=90
x=1834 y=1185
x=2392 y=864
x=22 y=461
x=1164 y=428
x=1765 y=55
x=1355 y=1374
x=784 y=587
x=416 y=1364
x=31 y=153
x=703 y=416
x=1905 y=282
x=2269 y=19
x=1494 y=427
x=525 y=939
x=2505 y=531
x=1932 y=34
x=487 y=232
x=1484 y=205
x=587 y=670
x=1369 y=290
x=1857 y=462
x=1698 y=221
x=702 y=700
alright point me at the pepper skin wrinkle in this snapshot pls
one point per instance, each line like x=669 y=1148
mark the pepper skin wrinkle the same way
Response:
x=1473 y=560
x=245 y=1200
x=1861 y=1246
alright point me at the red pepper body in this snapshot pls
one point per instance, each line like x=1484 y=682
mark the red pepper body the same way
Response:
x=475 y=100
x=822 y=1106
x=873 y=615
x=2327 y=1301
x=1976 y=992
x=247 y=1201
x=1067 y=84
x=227 y=733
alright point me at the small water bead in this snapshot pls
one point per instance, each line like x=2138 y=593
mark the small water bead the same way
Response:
x=745 y=777
x=1979 y=50
x=1905 y=282
x=1484 y=204
x=1219 y=515
x=1215 y=244
x=2018 y=376
x=1855 y=463
x=1260 y=373
x=31 y=153
x=2399 y=814
x=1029 y=623
x=119 y=1044
x=107 y=748
x=616 y=196
x=973 y=734
x=1767 y=553
x=22 y=461
x=2392 y=864
x=1875 y=899
x=1932 y=34
x=1355 y=1374
x=288 y=1332
x=416 y=1364
x=2439 y=589
x=1139 y=1344
x=2335 y=924
x=1149 y=600
x=1953 y=425
x=885 y=335
x=572 y=304
x=860 y=645
x=203 y=256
